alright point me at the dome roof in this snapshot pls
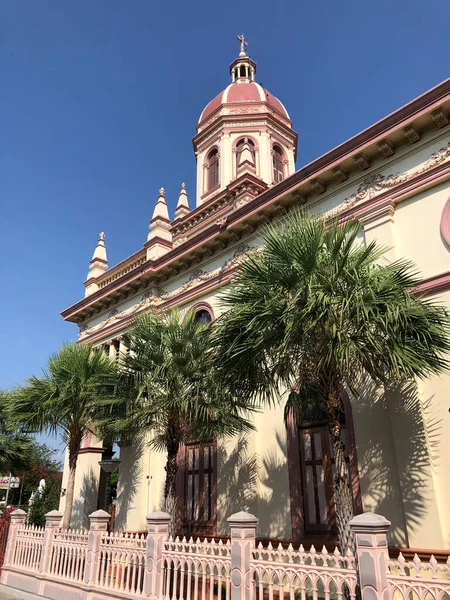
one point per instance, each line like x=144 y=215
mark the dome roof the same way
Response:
x=243 y=92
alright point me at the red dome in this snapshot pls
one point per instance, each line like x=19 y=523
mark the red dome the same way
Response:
x=240 y=92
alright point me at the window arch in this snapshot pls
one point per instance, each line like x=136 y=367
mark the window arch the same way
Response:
x=213 y=169
x=277 y=162
x=203 y=316
x=239 y=147
x=203 y=312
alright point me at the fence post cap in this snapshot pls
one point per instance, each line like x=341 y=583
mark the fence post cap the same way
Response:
x=53 y=517
x=18 y=514
x=159 y=516
x=54 y=514
x=243 y=519
x=100 y=515
x=369 y=520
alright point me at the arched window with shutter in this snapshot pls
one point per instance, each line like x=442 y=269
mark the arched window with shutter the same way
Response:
x=277 y=158
x=213 y=169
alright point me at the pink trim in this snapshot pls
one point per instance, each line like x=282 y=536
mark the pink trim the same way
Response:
x=204 y=306
x=445 y=222
x=435 y=284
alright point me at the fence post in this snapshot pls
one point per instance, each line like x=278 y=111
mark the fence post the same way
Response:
x=158 y=532
x=243 y=533
x=98 y=525
x=372 y=554
x=52 y=522
x=18 y=518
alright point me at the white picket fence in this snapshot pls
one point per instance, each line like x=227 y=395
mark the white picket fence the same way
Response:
x=106 y=566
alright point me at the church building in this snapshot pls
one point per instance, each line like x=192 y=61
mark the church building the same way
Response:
x=394 y=177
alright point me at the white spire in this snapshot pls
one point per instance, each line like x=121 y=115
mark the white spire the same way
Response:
x=182 y=208
x=161 y=210
x=98 y=264
x=159 y=239
x=100 y=250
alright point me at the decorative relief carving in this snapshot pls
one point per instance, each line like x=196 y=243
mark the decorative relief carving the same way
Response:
x=146 y=302
x=362 y=162
x=197 y=277
x=411 y=134
x=318 y=186
x=340 y=175
x=386 y=149
x=180 y=240
x=240 y=202
x=372 y=186
x=246 y=110
x=440 y=118
x=377 y=183
x=298 y=197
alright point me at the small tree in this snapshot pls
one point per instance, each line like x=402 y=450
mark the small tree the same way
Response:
x=313 y=312
x=45 y=501
x=18 y=451
x=173 y=389
x=67 y=400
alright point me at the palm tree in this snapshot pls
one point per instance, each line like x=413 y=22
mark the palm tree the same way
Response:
x=67 y=399
x=312 y=313
x=174 y=391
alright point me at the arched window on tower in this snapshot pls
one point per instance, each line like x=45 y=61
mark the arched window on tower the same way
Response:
x=240 y=146
x=277 y=158
x=203 y=316
x=213 y=169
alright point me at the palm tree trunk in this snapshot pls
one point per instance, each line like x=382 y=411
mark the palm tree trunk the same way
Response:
x=74 y=449
x=70 y=491
x=341 y=485
x=170 y=485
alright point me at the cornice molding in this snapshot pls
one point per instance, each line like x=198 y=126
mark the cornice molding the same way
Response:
x=118 y=320
x=376 y=188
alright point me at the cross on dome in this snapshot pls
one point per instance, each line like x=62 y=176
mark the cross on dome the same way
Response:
x=241 y=38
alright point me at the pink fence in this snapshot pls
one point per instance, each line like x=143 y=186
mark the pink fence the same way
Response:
x=121 y=563
x=418 y=580
x=83 y=565
x=27 y=550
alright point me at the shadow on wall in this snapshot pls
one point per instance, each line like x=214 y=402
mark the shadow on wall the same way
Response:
x=254 y=484
x=274 y=503
x=86 y=502
x=395 y=460
x=130 y=472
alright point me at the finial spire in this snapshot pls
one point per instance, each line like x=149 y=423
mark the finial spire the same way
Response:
x=98 y=264
x=241 y=38
x=159 y=239
x=161 y=210
x=182 y=208
x=100 y=250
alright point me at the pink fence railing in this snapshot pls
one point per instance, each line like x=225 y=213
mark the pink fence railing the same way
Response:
x=121 y=563
x=73 y=564
x=68 y=555
x=416 y=579
x=196 y=569
x=28 y=547
x=299 y=574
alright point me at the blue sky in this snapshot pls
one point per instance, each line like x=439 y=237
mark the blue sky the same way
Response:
x=99 y=103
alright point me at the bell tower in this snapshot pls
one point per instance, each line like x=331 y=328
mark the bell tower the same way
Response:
x=244 y=130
